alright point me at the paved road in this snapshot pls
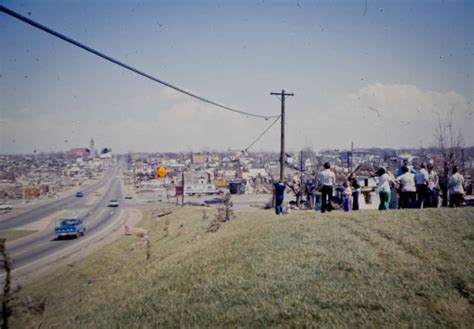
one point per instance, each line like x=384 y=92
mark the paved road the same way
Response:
x=39 y=212
x=37 y=250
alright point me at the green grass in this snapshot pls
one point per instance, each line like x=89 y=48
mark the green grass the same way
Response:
x=364 y=269
x=15 y=234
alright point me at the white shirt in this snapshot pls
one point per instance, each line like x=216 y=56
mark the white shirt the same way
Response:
x=456 y=182
x=407 y=182
x=327 y=177
x=348 y=191
x=383 y=185
x=432 y=179
x=421 y=176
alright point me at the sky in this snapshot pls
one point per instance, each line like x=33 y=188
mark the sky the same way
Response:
x=376 y=73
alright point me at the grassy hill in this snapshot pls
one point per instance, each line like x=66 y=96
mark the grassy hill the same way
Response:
x=367 y=268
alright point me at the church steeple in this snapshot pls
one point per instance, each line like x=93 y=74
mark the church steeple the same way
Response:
x=92 y=148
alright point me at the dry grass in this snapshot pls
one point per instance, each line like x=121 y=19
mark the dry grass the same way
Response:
x=15 y=234
x=365 y=269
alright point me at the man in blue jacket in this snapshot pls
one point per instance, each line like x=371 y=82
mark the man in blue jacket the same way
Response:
x=279 y=196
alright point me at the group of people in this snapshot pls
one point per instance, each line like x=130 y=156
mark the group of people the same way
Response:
x=417 y=188
x=408 y=188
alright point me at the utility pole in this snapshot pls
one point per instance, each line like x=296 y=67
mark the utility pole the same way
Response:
x=182 y=188
x=352 y=154
x=282 y=95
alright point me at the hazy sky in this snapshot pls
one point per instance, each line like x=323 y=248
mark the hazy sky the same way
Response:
x=413 y=61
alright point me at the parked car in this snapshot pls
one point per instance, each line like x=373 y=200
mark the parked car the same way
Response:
x=69 y=227
x=214 y=201
x=113 y=203
x=79 y=194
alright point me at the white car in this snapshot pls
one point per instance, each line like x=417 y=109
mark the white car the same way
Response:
x=6 y=207
x=128 y=196
x=113 y=203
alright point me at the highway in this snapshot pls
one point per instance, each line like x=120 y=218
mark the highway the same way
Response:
x=36 y=213
x=39 y=249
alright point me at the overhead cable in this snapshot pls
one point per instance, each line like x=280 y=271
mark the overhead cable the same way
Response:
x=261 y=135
x=126 y=66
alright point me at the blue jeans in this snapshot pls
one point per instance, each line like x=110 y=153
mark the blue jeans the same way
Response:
x=278 y=207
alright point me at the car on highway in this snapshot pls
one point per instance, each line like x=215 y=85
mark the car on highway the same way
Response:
x=79 y=194
x=128 y=196
x=214 y=201
x=113 y=203
x=6 y=207
x=69 y=227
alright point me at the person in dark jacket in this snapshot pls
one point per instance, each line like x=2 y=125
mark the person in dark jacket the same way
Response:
x=279 y=196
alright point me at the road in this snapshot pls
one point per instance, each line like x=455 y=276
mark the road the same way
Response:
x=36 y=213
x=38 y=250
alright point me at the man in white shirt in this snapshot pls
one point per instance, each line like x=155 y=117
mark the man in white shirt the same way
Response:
x=456 y=189
x=408 y=189
x=421 y=179
x=383 y=189
x=327 y=179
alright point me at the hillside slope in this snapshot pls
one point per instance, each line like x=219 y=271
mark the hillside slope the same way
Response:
x=366 y=268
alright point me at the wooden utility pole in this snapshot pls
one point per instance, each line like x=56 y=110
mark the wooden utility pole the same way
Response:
x=352 y=154
x=282 y=119
x=182 y=188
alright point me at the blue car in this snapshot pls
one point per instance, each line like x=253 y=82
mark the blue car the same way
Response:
x=79 y=194
x=69 y=227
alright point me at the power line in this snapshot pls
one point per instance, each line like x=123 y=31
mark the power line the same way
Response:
x=126 y=66
x=261 y=135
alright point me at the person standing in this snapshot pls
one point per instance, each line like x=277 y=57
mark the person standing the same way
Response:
x=393 y=191
x=456 y=189
x=407 y=189
x=421 y=180
x=433 y=187
x=311 y=191
x=327 y=179
x=279 y=196
x=383 y=189
x=347 y=197
x=355 y=193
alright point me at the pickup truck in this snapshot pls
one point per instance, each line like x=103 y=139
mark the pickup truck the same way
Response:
x=69 y=227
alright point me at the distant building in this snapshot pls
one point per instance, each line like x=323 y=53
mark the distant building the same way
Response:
x=199 y=158
x=78 y=152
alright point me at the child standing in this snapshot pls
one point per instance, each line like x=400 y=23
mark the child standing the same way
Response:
x=347 y=196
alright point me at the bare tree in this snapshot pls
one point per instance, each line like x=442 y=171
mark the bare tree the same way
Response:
x=450 y=147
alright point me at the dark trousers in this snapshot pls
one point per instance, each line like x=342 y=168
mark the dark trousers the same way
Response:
x=278 y=203
x=355 y=200
x=456 y=200
x=326 y=194
x=408 y=200
x=422 y=196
